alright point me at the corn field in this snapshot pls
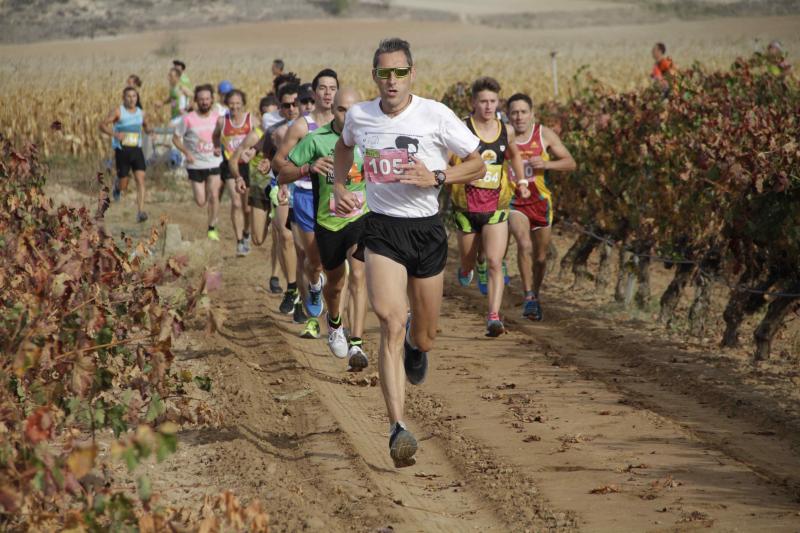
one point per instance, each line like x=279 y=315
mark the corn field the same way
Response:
x=75 y=93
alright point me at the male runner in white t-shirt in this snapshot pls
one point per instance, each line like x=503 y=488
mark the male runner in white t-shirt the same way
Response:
x=405 y=141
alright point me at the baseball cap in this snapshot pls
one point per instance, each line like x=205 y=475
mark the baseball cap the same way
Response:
x=225 y=87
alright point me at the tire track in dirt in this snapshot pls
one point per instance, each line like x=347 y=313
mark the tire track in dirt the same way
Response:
x=516 y=433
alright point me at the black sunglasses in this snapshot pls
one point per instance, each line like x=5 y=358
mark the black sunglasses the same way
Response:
x=287 y=105
x=306 y=101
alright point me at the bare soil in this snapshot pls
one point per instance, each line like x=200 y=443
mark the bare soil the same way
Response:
x=587 y=421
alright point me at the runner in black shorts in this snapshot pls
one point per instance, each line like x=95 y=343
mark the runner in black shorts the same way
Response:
x=194 y=138
x=232 y=129
x=405 y=141
x=126 y=125
x=337 y=237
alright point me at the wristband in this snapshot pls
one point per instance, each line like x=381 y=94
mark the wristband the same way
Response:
x=523 y=180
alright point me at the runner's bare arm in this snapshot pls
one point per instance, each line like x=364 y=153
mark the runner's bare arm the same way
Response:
x=514 y=155
x=177 y=140
x=470 y=169
x=215 y=137
x=233 y=163
x=107 y=124
x=296 y=131
x=564 y=161
x=148 y=129
x=345 y=200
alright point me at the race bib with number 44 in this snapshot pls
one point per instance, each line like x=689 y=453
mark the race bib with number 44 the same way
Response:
x=130 y=139
x=383 y=166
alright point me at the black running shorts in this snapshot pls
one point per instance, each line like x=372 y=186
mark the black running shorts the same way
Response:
x=129 y=158
x=333 y=245
x=244 y=171
x=200 y=175
x=259 y=198
x=419 y=244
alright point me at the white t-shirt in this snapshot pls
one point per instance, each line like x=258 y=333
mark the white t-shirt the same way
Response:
x=270 y=119
x=197 y=133
x=426 y=130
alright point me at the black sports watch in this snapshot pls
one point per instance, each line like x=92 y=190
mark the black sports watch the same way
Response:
x=440 y=178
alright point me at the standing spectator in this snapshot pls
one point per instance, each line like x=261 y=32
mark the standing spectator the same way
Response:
x=663 y=67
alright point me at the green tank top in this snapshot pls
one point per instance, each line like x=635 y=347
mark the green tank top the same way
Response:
x=321 y=143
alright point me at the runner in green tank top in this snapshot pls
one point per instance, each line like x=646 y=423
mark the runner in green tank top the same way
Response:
x=338 y=237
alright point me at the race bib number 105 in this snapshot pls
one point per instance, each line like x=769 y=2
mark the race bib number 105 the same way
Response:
x=383 y=166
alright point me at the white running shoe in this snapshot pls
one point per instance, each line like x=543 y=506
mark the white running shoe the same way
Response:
x=337 y=342
x=357 y=359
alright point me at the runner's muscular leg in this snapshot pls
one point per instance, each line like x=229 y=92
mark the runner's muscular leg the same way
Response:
x=468 y=249
x=357 y=285
x=199 y=191
x=286 y=251
x=139 y=176
x=494 y=238
x=259 y=223
x=520 y=228
x=332 y=291
x=237 y=212
x=386 y=285
x=425 y=299
x=213 y=186
x=312 y=266
x=541 y=244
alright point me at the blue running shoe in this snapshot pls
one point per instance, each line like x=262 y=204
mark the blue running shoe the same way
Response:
x=483 y=278
x=314 y=303
x=464 y=279
x=494 y=326
x=532 y=310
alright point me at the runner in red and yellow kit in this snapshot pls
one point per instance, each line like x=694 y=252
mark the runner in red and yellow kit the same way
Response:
x=481 y=207
x=532 y=206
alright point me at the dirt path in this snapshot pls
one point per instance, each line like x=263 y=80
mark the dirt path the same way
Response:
x=572 y=424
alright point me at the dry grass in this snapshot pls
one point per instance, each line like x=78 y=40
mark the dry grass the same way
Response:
x=78 y=82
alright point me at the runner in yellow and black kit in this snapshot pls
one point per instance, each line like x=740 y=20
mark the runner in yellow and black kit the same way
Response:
x=532 y=206
x=481 y=207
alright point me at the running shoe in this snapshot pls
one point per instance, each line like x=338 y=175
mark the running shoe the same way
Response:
x=506 y=277
x=311 y=331
x=314 y=303
x=465 y=278
x=116 y=194
x=337 y=341
x=246 y=240
x=494 y=326
x=532 y=310
x=402 y=446
x=483 y=278
x=298 y=314
x=213 y=234
x=415 y=360
x=141 y=216
x=357 y=359
x=241 y=249
x=290 y=298
x=274 y=285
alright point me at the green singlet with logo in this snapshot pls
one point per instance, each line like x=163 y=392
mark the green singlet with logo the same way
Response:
x=321 y=143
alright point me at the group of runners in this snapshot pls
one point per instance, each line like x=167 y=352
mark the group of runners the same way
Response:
x=351 y=190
